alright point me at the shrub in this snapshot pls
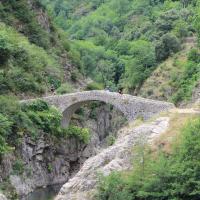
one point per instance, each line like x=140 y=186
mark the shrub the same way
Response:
x=169 y=44
x=110 y=140
x=186 y=83
x=144 y=52
x=66 y=45
x=95 y=86
x=18 y=167
x=37 y=105
x=49 y=168
x=81 y=134
x=65 y=88
x=135 y=74
x=46 y=118
x=113 y=187
x=25 y=68
x=4 y=147
x=194 y=55
x=75 y=75
x=6 y=50
x=5 y=130
x=181 y=29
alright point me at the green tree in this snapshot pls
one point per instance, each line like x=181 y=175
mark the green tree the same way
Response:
x=169 y=44
x=107 y=71
x=144 y=52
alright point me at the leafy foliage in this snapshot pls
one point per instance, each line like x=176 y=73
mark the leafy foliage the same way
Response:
x=188 y=80
x=24 y=67
x=169 y=44
x=5 y=128
x=174 y=176
x=32 y=119
x=64 y=88
x=15 y=12
x=119 y=43
x=18 y=167
x=82 y=134
x=94 y=86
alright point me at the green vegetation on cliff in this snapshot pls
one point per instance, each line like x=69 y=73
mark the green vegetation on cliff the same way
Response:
x=32 y=52
x=25 y=67
x=33 y=119
x=23 y=15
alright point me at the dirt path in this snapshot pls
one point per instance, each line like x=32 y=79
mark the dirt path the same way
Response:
x=185 y=111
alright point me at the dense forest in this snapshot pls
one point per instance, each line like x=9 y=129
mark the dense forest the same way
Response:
x=120 y=43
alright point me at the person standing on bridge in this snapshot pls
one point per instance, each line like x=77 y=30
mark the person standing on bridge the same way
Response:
x=120 y=91
x=107 y=89
x=53 y=89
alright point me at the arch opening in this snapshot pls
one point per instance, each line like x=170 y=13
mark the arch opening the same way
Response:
x=69 y=111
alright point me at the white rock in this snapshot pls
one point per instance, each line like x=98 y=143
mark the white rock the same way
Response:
x=115 y=158
x=2 y=197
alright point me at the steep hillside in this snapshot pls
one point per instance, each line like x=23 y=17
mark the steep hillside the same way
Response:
x=36 y=60
x=120 y=43
x=33 y=51
x=176 y=78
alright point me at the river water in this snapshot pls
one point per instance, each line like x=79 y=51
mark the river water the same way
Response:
x=44 y=193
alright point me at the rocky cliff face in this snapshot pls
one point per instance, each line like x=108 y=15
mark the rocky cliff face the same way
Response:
x=48 y=161
x=115 y=158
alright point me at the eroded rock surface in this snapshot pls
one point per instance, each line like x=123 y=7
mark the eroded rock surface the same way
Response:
x=48 y=161
x=115 y=158
x=2 y=197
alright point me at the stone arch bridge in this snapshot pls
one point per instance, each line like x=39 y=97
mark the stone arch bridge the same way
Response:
x=131 y=106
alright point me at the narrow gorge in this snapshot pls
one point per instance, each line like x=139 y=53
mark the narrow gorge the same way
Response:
x=99 y=99
x=49 y=161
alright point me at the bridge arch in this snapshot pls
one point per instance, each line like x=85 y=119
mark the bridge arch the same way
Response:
x=131 y=106
x=69 y=111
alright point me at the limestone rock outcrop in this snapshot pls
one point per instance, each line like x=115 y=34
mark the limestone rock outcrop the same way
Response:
x=48 y=161
x=115 y=158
